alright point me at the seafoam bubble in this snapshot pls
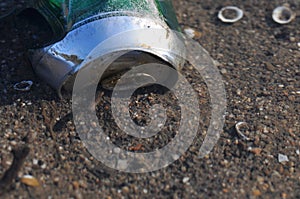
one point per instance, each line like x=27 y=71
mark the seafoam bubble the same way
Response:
x=238 y=14
x=283 y=14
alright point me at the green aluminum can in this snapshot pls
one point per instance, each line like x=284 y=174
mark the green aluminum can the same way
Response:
x=78 y=26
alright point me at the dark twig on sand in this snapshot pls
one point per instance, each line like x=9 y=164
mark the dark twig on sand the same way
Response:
x=20 y=155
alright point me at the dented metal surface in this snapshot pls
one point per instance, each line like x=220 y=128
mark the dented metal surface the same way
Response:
x=58 y=63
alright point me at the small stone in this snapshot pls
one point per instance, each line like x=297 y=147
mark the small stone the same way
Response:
x=56 y=180
x=167 y=188
x=223 y=71
x=43 y=166
x=256 y=192
x=225 y=190
x=125 y=190
x=13 y=143
x=116 y=150
x=185 y=179
x=283 y=195
x=265 y=186
x=224 y=163
x=191 y=33
x=260 y=179
x=255 y=151
x=35 y=161
x=269 y=66
x=298 y=152
x=75 y=185
x=292 y=39
x=145 y=190
x=83 y=184
x=30 y=181
x=282 y=158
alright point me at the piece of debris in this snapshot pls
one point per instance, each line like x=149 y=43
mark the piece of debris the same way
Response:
x=19 y=157
x=283 y=14
x=238 y=14
x=185 y=179
x=298 y=152
x=255 y=151
x=23 y=85
x=237 y=128
x=136 y=148
x=256 y=192
x=30 y=181
x=191 y=33
x=282 y=158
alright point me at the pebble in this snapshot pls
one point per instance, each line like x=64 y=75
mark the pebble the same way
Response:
x=282 y=158
x=125 y=190
x=292 y=39
x=191 y=33
x=298 y=152
x=269 y=66
x=35 y=161
x=255 y=151
x=43 y=166
x=260 y=179
x=225 y=190
x=116 y=150
x=283 y=195
x=183 y=169
x=185 y=179
x=30 y=181
x=56 y=180
x=223 y=71
x=75 y=185
x=256 y=192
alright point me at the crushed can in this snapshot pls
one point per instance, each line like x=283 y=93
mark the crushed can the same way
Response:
x=79 y=26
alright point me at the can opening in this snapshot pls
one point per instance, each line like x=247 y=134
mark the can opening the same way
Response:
x=119 y=67
x=34 y=28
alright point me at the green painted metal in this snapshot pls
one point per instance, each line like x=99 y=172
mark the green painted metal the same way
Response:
x=63 y=14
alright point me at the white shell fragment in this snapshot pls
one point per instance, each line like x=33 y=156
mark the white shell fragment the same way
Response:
x=283 y=15
x=190 y=33
x=23 y=85
x=185 y=179
x=238 y=12
x=282 y=158
x=237 y=128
